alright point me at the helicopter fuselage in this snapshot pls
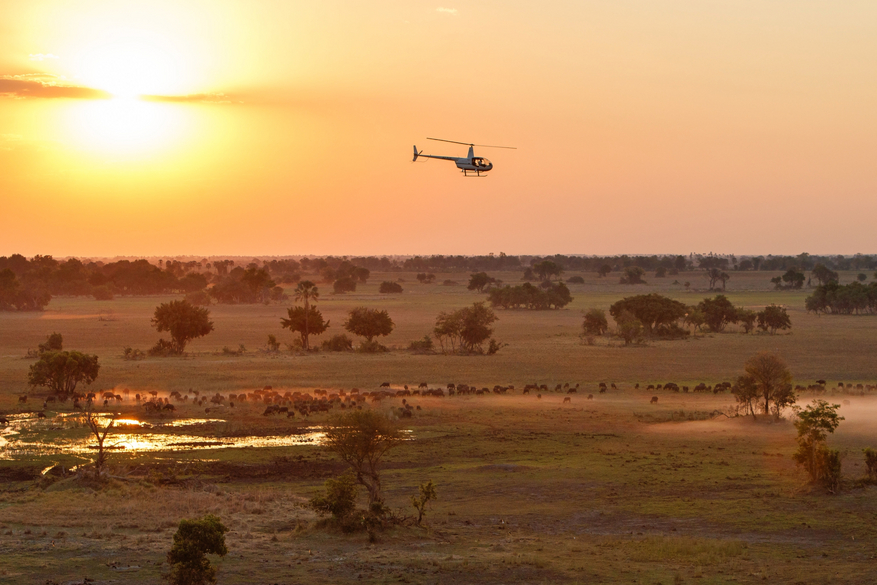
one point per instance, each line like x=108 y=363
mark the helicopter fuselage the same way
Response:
x=467 y=164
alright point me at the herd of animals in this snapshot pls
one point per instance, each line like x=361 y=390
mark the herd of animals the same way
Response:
x=322 y=401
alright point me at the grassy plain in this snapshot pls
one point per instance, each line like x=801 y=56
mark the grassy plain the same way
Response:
x=613 y=490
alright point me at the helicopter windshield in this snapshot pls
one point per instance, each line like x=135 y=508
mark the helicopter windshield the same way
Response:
x=480 y=162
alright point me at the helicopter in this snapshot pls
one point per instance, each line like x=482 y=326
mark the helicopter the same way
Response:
x=467 y=164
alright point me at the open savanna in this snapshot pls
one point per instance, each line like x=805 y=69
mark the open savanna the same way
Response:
x=610 y=490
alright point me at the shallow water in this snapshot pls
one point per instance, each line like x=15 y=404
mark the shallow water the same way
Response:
x=28 y=436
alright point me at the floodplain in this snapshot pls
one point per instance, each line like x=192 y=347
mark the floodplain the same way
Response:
x=612 y=489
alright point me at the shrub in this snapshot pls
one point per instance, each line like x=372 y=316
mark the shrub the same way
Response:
x=54 y=342
x=193 y=541
x=871 y=464
x=371 y=347
x=390 y=287
x=129 y=353
x=339 y=499
x=273 y=344
x=427 y=493
x=162 y=348
x=241 y=350
x=494 y=346
x=343 y=285
x=575 y=280
x=814 y=424
x=338 y=342
x=422 y=345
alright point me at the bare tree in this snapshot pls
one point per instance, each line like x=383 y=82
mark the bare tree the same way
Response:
x=101 y=436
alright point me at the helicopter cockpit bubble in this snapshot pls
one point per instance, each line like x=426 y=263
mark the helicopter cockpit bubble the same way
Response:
x=481 y=162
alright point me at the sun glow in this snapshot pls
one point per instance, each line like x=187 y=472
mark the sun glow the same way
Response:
x=125 y=126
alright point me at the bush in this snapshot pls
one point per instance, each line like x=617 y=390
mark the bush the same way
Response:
x=371 y=347
x=390 y=287
x=595 y=322
x=54 y=342
x=343 y=285
x=241 y=350
x=338 y=342
x=494 y=346
x=575 y=280
x=427 y=493
x=339 y=499
x=273 y=344
x=130 y=353
x=193 y=541
x=424 y=345
x=163 y=348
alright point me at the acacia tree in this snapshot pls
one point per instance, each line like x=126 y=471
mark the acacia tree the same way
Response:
x=479 y=280
x=62 y=371
x=633 y=275
x=824 y=274
x=361 y=438
x=629 y=328
x=547 y=268
x=715 y=275
x=773 y=379
x=306 y=291
x=369 y=323
x=183 y=321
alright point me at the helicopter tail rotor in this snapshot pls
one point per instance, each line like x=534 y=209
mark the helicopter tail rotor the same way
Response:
x=416 y=154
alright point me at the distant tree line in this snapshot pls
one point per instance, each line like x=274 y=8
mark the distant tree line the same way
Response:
x=854 y=298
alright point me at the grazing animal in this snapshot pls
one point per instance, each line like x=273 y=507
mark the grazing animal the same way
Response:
x=3 y=420
x=22 y=398
x=169 y=407
x=590 y=396
x=41 y=414
x=539 y=396
x=423 y=385
x=385 y=385
x=654 y=400
x=567 y=399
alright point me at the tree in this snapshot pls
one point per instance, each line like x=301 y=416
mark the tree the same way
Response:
x=793 y=278
x=718 y=312
x=694 y=319
x=715 y=275
x=547 y=268
x=604 y=270
x=100 y=436
x=824 y=274
x=62 y=371
x=595 y=322
x=747 y=392
x=369 y=323
x=629 y=328
x=773 y=379
x=193 y=541
x=814 y=424
x=479 y=280
x=651 y=310
x=465 y=329
x=183 y=321
x=361 y=438
x=343 y=285
x=861 y=277
x=425 y=278
x=390 y=287
x=661 y=272
x=339 y=499
x=747 y=318
x=773 y=318
x=307 y=291
x=632 y=275
x=297 y=323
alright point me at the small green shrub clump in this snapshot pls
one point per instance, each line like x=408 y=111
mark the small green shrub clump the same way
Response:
x=427 y=494
x=338 y=342
x=339 y=500
x=193 y=541
x=424 y=345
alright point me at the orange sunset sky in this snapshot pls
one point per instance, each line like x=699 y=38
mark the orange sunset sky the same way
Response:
x=283 y=127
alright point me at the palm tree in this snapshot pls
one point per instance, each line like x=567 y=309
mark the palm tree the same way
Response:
x=306 y=291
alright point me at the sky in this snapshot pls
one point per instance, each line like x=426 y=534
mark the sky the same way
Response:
x=279 y=127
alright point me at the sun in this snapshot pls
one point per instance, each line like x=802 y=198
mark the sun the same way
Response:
x=130 y=63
